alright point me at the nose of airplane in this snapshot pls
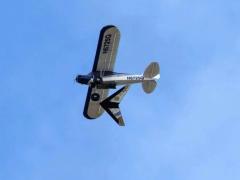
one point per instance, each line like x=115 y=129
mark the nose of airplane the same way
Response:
x=82 y=79
x=78 y=78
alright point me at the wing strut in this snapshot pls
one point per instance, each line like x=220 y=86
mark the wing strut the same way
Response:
x=111 y=105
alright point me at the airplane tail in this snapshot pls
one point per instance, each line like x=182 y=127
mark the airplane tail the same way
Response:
x=151 y=74
x=111 y=105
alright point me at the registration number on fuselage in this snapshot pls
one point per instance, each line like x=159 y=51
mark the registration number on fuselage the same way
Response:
x=137 y=78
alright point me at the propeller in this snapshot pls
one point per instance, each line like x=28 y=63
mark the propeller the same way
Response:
x=75 y=79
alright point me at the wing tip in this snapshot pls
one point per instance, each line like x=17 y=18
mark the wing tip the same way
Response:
x=120 y=121
x=107 y=26
x=103 y=30
x=86 y=115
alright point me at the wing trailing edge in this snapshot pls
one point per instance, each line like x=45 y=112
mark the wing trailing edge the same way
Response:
x=111 y=105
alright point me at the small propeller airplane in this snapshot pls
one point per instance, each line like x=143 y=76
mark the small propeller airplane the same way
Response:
x=102 y=78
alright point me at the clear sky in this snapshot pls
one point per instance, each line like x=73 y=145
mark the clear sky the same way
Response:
x=187 y=129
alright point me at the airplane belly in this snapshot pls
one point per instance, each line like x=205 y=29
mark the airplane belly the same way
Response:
x=121 y=80
x=114 y=79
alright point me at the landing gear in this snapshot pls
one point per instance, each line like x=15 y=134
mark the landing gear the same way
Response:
x=95 y=96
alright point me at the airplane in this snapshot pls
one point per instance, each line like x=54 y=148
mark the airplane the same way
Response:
x=102 y=78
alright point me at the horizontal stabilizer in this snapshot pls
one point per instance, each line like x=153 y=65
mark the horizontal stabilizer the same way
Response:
x=149 y=86
x=152 y=70
x=151 y=74
x=111 y=105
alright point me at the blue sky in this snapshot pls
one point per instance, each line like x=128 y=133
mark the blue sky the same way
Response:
x=188 y=128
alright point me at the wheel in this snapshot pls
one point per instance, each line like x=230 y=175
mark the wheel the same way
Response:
x=95 y=96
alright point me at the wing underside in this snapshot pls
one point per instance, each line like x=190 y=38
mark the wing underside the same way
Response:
x=92 y=108
x=104 y=61
x=107 y=49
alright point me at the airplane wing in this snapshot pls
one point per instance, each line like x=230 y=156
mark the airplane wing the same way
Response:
x=92 y=108
x=111 y=105
x=104 y=61
x=106 y=49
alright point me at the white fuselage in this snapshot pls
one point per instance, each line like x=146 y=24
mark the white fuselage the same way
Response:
x=121 y=79
x=114 y=79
